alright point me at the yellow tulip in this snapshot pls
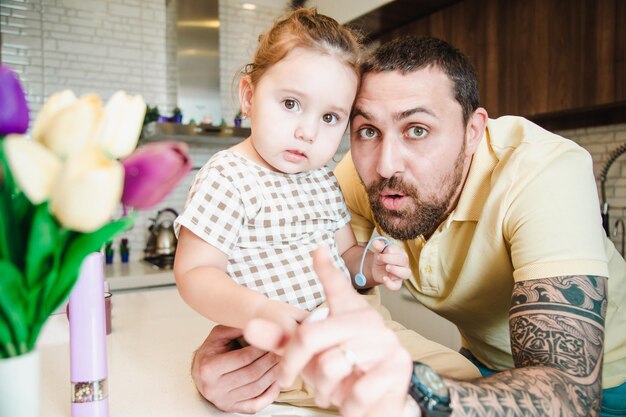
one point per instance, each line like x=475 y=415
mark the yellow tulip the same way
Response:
x=34 y=168
x=88 y=190
x=123 y=119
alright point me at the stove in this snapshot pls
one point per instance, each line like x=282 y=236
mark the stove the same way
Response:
x=160 y=261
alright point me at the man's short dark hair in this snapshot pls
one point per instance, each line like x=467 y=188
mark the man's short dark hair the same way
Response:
x=412 y=53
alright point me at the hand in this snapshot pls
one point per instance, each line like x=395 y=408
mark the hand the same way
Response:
x=378 y=382
x=390 y=267
x=281 y=313
x=242 y=381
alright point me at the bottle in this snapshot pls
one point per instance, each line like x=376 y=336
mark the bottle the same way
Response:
x=108 y=253
x=124 y=250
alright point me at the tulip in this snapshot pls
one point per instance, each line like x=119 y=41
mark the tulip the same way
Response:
x=152 y=171
x=13 y=107
x=88 y=190
x=123 y=120
x=34 y=168
x=53 y=105
x=72 y=127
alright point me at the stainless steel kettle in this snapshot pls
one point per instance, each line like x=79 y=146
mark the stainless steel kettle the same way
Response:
x=161 y=238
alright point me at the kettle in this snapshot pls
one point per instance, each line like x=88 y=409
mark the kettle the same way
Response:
x=161 y=239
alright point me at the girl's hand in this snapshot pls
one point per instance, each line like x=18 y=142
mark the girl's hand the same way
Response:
x=281 y=313
x=391 y=266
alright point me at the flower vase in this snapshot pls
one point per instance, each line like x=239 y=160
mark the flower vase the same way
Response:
x=19 y=385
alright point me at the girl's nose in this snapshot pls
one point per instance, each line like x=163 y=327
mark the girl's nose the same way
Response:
x=306 y=130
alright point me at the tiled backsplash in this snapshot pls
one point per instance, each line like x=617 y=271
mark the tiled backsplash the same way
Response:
x=239 y=35
x=92 y=46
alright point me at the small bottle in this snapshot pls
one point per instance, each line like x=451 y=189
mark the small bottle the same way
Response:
x=108 y=253
x=124 y=250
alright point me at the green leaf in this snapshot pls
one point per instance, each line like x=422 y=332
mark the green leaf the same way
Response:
x=13 y=323
x=79 y=247
x=14 y=216
x=42 y=242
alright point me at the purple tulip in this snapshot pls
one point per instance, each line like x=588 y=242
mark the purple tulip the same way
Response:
x=152 y=171
x=13 y=107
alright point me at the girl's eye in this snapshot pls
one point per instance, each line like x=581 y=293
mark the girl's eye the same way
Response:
x=367 y=133
x=290 y=104
x=329 y=118
x=417 y=132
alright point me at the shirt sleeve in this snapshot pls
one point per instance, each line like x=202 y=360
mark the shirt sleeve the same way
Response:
x=553 y=223
x=214 y=210
x=355 y=196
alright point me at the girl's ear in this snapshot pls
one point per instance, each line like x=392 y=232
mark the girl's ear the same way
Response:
x=246 y=91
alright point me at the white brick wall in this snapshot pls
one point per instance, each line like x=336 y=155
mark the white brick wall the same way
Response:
x=239 y=34
x=92 y=46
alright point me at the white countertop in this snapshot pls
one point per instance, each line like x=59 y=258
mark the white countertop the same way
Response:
x=149 y=355
x=136 y=274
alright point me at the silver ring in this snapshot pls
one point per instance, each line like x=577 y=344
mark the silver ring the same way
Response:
x=348 y=355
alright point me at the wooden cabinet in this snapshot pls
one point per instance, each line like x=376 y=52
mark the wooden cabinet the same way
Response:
x=543 y=59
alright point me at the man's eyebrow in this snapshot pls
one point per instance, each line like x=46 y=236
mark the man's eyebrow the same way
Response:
x=407 y=113
x=397 y=116
x=359 y=112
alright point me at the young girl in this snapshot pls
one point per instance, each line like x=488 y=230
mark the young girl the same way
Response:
x=256 y=210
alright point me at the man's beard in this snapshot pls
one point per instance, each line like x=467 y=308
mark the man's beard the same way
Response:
x=422 y=217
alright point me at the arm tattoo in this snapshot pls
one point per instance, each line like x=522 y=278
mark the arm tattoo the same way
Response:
x=557 y=338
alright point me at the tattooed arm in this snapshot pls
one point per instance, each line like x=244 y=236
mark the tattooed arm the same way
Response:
x=557 y=336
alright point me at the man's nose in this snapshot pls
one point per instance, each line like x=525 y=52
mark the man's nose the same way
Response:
x=307 y=129
x=390 y=160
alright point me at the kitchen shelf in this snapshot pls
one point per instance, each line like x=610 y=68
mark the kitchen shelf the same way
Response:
x=197 y=134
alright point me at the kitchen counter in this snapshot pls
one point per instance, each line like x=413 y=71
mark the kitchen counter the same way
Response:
x=136 y=274
x=149 y=354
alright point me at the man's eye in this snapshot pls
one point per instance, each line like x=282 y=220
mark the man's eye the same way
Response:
x=417 y=132
x=290 y=104
x=368 y=133
x=329 y=118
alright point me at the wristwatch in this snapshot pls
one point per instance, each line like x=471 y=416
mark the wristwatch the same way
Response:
x=429 y=391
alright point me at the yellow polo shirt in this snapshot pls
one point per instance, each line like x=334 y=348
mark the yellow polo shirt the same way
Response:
x=529 y=209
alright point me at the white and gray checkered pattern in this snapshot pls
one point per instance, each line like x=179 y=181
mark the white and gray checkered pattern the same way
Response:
x=268 y=223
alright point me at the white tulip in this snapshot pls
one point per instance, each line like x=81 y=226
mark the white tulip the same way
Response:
x=88 y=190
x=34 y=168
x=72 y=127
x=53 y=105
x=121 y=126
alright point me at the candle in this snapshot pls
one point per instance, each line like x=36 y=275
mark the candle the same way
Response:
x=88 y=354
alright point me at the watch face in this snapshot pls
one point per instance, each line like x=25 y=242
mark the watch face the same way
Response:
x=431 y=380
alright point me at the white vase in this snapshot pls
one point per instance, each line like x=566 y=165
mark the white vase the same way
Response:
x=19 y=386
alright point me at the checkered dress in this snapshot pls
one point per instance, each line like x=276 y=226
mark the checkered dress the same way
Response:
x=267 y=222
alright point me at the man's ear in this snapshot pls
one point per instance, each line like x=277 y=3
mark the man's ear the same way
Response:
x=475 y=130
x=246 y=91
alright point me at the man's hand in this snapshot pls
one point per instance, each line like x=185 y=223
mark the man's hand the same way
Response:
x=390 y=266
x=242 y=381
x=351 y=358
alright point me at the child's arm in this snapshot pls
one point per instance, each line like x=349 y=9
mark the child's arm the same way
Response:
x=200 y=271
x=389 y=268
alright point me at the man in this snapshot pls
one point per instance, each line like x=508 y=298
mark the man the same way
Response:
x=501 y=221
x=502 y=224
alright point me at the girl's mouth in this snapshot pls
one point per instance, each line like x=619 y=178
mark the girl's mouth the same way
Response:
x=293 y=155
